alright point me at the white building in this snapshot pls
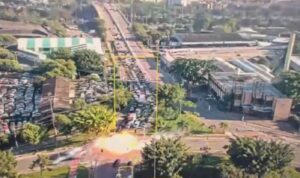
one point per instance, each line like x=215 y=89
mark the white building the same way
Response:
x=43 y=46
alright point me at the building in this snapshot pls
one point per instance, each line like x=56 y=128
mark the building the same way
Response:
x=209 y=40
x=169 y=56
x=22 y=30
x=59 y=91
x=207 y=4
x=46 y=45
x=249 y=93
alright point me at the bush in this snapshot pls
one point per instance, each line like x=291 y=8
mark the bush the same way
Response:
x=295 y=121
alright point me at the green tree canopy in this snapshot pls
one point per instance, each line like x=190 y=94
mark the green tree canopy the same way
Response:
x=8 y=165
x=56 y=28
x=6 y=54
x=64 y=124
x=10 y=65
x=32 y=133
x=100 y=28
x=61 y=53
x=172 y=95
x=192 y=70
x=123 y=97
x=141 y=32
x=201 y=21
x=259 y=157
x=79 y=103
x=96 y=118
x=7 y=40
x=289 y=84
x=88 y=60
x=169 y=154
x=57 y=68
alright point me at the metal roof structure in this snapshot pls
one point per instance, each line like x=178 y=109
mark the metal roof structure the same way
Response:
x=44 y=45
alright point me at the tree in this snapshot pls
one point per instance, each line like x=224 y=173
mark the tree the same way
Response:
x=100 y=28
x=4 y=138
x=8 y=165
x=230 y=26
x=79 y=103
x=56 y=28
x=141 y=32
x=64 y=124
x=57 y=68
x=228 y=170
x=223 y=125
x=172 y=96
x=289 y=84
x=169 y=155
x=6 y=54
x=97 y=118
x=94 y=77
x=32 y=133
x=201 y=21
x=6 y=40
x=88 y=61
x=123 y=97
x=61 y=53
x=259 y=157
x=10 y=65
x=193 y=70
x=42 y=162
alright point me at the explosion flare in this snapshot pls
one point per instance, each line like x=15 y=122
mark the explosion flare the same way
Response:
x=119 y=143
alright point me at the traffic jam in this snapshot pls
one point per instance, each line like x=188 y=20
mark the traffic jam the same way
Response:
x=138 y=113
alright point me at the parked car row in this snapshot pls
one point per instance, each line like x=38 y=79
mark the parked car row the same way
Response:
x=91 y=90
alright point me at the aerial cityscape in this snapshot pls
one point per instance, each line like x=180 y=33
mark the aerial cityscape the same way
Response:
x=149 y=89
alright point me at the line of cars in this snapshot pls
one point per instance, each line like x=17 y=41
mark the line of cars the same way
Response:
x=92 y=90
x=139 y=111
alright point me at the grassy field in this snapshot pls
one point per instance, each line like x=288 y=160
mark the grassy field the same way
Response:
x=62 y=172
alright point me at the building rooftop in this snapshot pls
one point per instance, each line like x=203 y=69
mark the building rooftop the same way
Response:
x=20 y=29
x=208 y=37
x=248 y=82
x=75 y=43
x=58 y=89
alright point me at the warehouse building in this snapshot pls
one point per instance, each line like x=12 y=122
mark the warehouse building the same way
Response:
x=43 y=46
x=249 y=93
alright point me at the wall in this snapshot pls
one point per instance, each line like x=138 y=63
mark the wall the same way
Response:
x=282 y=108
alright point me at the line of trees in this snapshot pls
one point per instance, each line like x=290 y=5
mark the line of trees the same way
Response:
x=247 y=158
x=8 y=61
x=64 y=63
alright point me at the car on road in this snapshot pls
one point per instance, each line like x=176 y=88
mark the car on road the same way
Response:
x=74 y=153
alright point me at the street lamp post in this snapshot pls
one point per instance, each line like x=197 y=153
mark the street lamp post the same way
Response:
x=53 y=118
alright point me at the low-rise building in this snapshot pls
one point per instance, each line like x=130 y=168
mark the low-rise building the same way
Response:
x=46 y=45
x=59 y=91
x=249 y=93
x=21 y=29
x=209 y=40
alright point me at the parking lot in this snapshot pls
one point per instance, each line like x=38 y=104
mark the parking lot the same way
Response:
x=20 y=99
x=92 y=91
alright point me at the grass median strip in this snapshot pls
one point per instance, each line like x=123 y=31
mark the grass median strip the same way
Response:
x=61 y=172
